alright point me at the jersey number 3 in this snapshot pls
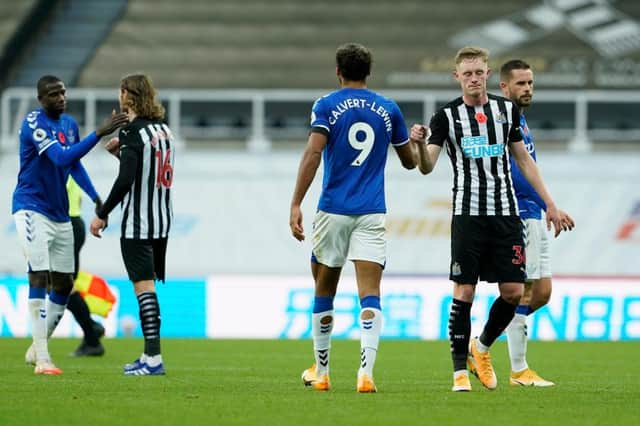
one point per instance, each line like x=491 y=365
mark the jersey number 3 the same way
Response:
x=164 y=171
x=364 y=145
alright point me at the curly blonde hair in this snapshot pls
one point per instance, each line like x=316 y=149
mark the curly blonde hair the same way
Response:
x=141 y=96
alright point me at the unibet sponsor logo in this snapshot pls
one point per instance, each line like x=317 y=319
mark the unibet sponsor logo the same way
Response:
x=478 y=147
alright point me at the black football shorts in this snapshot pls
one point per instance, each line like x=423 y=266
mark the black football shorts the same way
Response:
x=489 y=248
x=144 y=259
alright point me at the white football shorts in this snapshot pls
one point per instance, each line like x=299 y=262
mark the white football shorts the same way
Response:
x=47 y=245
x=537 y=249
x=338 y=238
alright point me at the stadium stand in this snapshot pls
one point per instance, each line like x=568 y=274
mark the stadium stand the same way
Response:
x=287 y=44
x=197 y=43
x=71 y=36
x=12 y=16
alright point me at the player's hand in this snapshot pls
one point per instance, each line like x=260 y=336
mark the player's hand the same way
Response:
x=295 y=223
x=554 y=217
x=567 y=221
x=97 y=226
x=419 y=133
x=113 y=146
x=111 y=123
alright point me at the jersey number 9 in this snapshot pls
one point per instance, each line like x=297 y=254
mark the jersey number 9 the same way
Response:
x=365 y=145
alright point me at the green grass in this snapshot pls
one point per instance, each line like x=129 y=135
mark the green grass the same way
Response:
x=248 y=382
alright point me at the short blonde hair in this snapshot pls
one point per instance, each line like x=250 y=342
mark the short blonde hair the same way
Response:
x=470 y=52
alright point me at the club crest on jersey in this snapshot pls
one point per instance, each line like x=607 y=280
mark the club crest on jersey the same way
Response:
x=502 y=119
x=481 y=117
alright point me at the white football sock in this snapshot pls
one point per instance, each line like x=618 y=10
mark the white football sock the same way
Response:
x=517 y=342
x=370 y=330
x=38 y=314
x=153 y=361
x=54 y=314
x=321 y=334
x=481 y=347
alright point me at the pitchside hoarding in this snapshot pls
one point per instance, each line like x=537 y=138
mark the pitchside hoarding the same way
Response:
x=226 y=306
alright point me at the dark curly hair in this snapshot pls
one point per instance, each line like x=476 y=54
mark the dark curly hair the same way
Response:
x=354 y=61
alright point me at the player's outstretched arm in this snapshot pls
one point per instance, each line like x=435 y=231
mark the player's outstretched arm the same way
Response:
x=427 y=155
x=306 y=172
x=66 y=157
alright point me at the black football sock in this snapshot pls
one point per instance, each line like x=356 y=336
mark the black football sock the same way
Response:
x=459 y=333
x=500 y=316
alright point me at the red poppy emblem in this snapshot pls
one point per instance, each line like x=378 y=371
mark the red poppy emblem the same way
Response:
x=481 y=118
x=62 y=138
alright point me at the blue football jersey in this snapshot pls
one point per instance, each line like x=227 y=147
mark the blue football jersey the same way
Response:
x=41 y=183
x=529 y=202
x=359 y=124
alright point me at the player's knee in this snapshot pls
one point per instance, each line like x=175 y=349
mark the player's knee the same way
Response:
x=511 y=294
x=464 y=292
x=512 y=299
x=62 y=282
x=39 y=279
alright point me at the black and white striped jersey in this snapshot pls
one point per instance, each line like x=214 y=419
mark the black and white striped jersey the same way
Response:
x=477 y=139
x=143 y=185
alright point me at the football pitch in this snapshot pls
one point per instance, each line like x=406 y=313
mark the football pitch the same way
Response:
x=257 y=382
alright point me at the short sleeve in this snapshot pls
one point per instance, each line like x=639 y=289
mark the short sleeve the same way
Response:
x=399 y=136
x=514 y=132
x=439 y=126
x=319 y=117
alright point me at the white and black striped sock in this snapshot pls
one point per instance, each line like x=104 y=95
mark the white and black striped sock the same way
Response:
x=150 y=320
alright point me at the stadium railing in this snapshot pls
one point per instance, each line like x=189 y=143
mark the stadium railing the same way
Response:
x=258 y=117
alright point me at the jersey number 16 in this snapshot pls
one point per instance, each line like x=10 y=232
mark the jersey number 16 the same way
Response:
x=164 y=171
